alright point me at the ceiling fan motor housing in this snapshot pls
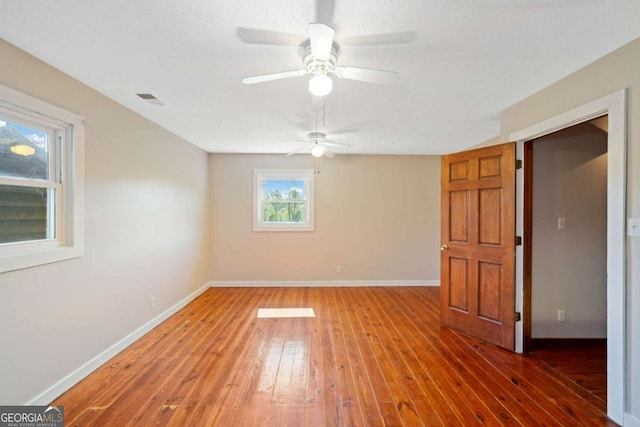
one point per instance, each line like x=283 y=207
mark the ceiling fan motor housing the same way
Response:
x=316 y=136
x=318 y=66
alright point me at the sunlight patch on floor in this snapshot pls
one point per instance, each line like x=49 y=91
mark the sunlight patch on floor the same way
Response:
x=270 y=313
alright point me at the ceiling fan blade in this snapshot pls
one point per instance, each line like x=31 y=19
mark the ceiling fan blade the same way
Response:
x=300 y=149
x=274 y=76
x=328 y=153
x=401 y=37
x=335 y=144
x=256 y=36
x=321 y=41
x=367 y=75
x=324 y=10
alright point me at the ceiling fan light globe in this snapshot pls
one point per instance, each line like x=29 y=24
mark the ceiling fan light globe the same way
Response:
x=320 y=85
x=317 y=151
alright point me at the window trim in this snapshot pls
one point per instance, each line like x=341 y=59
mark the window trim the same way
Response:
x=259 y=176
x=69 y=241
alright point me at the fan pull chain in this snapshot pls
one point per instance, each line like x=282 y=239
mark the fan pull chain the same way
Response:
x=324 y=101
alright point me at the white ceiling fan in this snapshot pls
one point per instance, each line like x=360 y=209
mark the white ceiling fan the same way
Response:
x=320 y=56
x=319 y=145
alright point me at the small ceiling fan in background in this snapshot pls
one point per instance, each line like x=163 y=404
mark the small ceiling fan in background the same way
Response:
x=319 y=145
x=320 y=53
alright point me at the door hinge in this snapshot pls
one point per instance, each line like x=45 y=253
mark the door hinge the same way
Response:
x=518 y=316
x=518 y=164
x=518 y=241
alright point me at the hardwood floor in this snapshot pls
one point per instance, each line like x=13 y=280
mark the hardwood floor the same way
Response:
x=371 y=356
x=582 y=361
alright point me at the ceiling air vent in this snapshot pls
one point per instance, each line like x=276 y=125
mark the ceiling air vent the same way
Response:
x=151 y=99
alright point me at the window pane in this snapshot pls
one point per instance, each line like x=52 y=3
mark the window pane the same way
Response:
x=23 y=213
x=278 y=212
x=23 y=151
x=283 y=199
x=283 y=189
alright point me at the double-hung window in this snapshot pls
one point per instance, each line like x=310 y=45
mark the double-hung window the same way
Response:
x=283 y=199
x=41 y=149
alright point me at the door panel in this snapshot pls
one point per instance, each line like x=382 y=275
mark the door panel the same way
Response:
x=478 y=238
x=489 y=216
x=489 y=284
x=459 y=284
x=459 y=171
x=459 y=206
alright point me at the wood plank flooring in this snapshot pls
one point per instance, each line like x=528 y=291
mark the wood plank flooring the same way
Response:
x=582 y=361
x=371 y=357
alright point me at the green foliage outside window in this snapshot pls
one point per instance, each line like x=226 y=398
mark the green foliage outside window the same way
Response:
x=288 y=206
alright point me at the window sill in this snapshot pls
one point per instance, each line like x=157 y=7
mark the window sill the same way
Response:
x=286 y=228
x=19 y=261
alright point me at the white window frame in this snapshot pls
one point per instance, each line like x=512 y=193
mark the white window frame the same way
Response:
x=260 y=175
x=68 y=181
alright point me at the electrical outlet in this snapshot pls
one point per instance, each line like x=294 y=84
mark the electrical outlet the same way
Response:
x=152 y=302
x=562 y=223
x=339 y=269
x=633 y=227
x=561 y=316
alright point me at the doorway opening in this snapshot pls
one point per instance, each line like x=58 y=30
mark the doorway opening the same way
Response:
x=568 y=239
x=615 y=107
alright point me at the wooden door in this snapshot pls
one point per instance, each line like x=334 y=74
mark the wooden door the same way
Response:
x=478 y=243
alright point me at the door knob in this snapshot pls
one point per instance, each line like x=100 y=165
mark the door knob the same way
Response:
x=444 y=248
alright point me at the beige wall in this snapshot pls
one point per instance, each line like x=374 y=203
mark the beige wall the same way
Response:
x=375 y=216
x=146 y=201
x=570 y=265
x=613 y=72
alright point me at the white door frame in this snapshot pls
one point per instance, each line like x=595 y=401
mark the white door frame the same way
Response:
x=615 y=106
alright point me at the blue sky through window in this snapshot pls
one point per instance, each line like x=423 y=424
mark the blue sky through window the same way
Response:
x=283 y=185
x=34 y=135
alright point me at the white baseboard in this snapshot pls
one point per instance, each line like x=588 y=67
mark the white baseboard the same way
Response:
x=51 y=393
x=318 y=283
x=630 y=420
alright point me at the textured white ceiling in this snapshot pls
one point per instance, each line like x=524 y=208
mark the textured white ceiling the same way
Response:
x=465 y=62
